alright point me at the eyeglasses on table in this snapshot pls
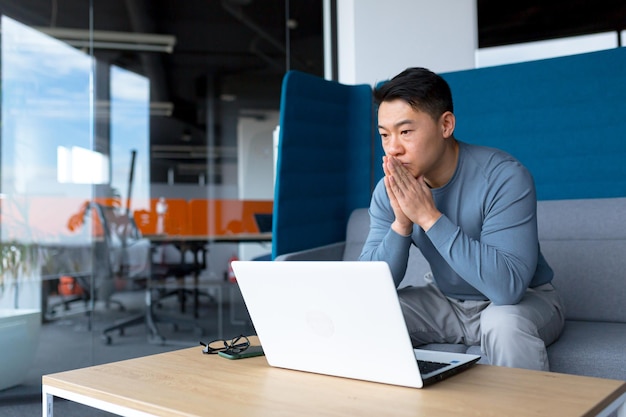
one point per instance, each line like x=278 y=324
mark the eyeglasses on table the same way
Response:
x=235 y=345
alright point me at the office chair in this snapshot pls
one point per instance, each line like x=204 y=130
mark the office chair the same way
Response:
x=131 y=259
x=170 y=261
x=121 y=258
x=80 y=294
x=82 y=265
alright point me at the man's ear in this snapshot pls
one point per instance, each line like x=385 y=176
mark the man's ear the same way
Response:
x=447 y=123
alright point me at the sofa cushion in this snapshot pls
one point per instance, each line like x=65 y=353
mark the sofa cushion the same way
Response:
x=590 y=349
x=356 y=233
x=584 y=241
x=594 y=219
x=590 y=276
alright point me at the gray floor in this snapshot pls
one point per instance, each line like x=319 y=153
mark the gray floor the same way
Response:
x=66 y=343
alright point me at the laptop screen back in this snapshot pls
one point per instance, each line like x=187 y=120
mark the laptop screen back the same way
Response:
x=330 y=317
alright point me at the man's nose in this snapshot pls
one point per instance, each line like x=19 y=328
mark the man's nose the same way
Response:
x=393 y=146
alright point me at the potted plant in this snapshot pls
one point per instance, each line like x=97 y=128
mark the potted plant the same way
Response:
x=20 y=314
x=19 y=263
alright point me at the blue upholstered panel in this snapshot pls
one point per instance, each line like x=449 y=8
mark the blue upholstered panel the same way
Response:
x=324 y=160
x=564 y=118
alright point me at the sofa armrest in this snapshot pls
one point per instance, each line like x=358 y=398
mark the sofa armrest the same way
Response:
x=332 y=252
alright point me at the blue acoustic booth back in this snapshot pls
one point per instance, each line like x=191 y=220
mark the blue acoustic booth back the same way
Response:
x=324 y=161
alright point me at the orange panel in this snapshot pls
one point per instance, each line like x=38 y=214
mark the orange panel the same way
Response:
x=51 y=217
x=205 y=215
x=230 y=218
x=225 y=216
x=199 y=216
x=146 y=222
x=176 y=219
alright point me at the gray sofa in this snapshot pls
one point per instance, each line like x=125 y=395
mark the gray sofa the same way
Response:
x=585 y=243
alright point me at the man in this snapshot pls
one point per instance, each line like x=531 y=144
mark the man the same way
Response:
x=471 y=210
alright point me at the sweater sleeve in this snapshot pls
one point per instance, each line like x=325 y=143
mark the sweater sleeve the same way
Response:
x=500 y=263
x=383 y=244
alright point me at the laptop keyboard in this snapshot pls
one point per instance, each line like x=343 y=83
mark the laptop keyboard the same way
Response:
x=427 y=367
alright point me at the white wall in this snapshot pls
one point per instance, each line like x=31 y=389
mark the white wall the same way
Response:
x=378 y=39
x=255 y=147
x=552 y=48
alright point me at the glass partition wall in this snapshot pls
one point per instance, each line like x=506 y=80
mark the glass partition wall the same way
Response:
x=125 y=146
x=48 y=170
x=74 y=166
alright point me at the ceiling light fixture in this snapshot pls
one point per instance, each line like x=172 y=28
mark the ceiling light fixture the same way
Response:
x=157 y=108
x=161 y=108
x=102 y=39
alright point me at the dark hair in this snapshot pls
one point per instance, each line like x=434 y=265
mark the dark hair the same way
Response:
x=421 y=88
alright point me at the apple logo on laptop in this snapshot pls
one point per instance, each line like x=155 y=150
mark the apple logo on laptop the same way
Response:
x=321 y=324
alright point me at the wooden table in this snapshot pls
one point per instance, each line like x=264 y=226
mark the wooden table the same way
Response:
x=188 y=383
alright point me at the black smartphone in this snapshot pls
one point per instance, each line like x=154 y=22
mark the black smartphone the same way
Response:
x=248 y=353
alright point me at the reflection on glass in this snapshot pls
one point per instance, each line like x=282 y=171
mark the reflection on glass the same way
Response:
x=81 y=166
x=53 y=167
x=45 y=107
x=130 y=132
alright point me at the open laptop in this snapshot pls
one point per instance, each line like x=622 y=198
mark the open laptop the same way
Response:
x=337 y=318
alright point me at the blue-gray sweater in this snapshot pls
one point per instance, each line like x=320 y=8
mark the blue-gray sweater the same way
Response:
x=485 y=245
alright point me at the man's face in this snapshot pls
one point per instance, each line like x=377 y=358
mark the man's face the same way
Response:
x=411 y=136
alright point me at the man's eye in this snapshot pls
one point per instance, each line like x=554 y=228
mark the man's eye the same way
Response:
x=405 y=132
x=382 y=135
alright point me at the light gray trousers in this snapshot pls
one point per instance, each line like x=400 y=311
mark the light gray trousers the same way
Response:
x=509 y=335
